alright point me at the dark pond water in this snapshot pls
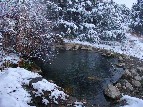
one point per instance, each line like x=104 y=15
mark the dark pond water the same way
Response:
x=84 y=74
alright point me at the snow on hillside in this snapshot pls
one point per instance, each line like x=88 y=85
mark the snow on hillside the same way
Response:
x=128 y=3
x=131 y=46
x=12 y=93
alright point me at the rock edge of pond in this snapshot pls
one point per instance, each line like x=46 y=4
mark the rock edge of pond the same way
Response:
x=131 y=82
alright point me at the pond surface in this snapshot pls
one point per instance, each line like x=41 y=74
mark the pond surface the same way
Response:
x=84 y=74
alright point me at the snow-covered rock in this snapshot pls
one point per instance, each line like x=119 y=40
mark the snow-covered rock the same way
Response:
x=12 y=93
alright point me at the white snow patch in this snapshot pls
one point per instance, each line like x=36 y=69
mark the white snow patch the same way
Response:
x=89 y=25
x=1 y=36
x=13 y=58
x=12 y=93
x=45 y=101
x=132 y=101
x=44 y=85
x=128 y=3
x=78 y=104
x=11 y=81
x=69 y=24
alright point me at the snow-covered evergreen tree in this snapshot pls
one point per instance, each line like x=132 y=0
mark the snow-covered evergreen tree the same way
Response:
x=137 y=17
x=87 y=20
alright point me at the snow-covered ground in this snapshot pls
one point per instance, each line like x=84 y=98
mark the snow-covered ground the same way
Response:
x=12 y=93
x=132 y=46
x=128 y=3
x=132 y=101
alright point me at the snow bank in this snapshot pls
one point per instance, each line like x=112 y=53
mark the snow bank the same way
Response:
x=12 y=93
x=12 y=58
x=132 y=46
x=128 y=3
x=132 y=101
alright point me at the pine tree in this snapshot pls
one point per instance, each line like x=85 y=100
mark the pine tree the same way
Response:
x=137 y=18
x=86 y=20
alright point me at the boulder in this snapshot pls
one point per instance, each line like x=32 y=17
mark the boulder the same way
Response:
x=112 y=92
x=84 y=47
x=134 y=72
x=69 y=46
x=127 y=73
x=90 y=48
x=140 y=69
x=35 y=80
x=118 y=85
x=77 y=46
x=121 y=59
x=138 y=78
x=58 y=46
x=136 y=83
x=127 y=85
x=104 y=54
x=124 y=87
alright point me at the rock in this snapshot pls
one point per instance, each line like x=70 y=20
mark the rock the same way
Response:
x=141 y=77
x=107 y=54
x=77 y=47
x=124 y=87
x=134 y=72
x=51 y=81
x=120 y=59
x=71 y=101
x=118 y=85
x=112 y=92
x=136 y=83
x=90 y=48
x=129 y=86
x=69 y=46
x=34 y=80
x=83 y=47
x=127 y=73
x=138 y=78
x=36 y=70
x=140 y=69
x=58 y=46
x=110 y=54
x=104 y=54
x=86 y=48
